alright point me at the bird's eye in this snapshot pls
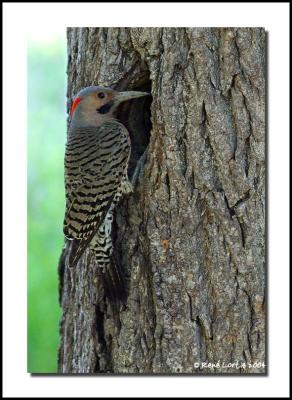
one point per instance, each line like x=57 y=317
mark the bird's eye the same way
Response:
x=101 y=95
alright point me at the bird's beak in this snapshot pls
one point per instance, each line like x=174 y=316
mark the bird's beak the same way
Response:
x=123 y=96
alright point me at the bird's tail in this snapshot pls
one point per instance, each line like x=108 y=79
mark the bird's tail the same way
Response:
x=114 y=283
x=112 y=274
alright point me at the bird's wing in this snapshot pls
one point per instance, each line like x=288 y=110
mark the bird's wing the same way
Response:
x=95 y=162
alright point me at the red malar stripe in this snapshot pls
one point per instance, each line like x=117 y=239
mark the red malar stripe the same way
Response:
x=74 y=105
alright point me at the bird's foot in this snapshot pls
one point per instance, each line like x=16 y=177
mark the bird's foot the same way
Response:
x=127 y=186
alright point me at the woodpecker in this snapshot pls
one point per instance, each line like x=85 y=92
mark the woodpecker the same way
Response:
x=96 y=160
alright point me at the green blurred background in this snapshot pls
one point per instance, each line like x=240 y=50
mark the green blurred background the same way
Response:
x=46 y=141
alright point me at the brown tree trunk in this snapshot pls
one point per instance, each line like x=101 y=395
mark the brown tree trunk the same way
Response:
x=191 y=238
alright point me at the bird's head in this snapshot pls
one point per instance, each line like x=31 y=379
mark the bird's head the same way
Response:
x=95 y=105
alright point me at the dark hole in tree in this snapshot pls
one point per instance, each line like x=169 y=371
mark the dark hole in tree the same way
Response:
x=136 y=116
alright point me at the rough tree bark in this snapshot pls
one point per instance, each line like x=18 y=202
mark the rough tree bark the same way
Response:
x=191 y=238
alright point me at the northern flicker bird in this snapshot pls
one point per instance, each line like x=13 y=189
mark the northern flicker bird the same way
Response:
x=96 y=160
